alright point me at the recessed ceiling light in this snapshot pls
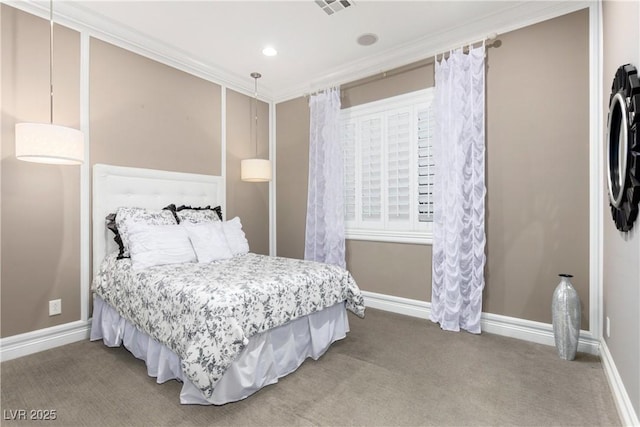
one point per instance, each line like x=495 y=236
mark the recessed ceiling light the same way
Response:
x=367 y=39
x=269 y=51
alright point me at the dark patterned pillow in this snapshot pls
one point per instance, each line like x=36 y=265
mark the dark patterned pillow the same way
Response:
x=111 y=225
x=198 y=215
x=172 y=208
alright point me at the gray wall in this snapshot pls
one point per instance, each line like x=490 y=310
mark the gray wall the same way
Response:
x=537 y=174
x=248 y=200
x=149 y=115
x=292 y=170
x=40 y=210
x=621 y=251
x=538 y=167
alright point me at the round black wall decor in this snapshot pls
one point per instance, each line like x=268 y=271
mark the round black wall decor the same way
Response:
x=623 y=147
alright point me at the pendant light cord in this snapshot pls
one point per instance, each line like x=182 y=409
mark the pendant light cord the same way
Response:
x=256 y=76
x=51 y=60
x=256 y=111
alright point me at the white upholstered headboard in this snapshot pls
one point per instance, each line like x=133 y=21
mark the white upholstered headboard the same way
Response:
x=116 y=186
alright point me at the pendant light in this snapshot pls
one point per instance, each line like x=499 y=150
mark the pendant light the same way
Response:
x=255 y=169
x=46 y=142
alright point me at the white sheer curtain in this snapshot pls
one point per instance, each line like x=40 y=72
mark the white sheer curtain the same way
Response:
x=324 y=238
x=459 y=192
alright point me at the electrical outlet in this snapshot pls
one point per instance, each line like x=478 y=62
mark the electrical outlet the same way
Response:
x=55 y=307
x=608 y=327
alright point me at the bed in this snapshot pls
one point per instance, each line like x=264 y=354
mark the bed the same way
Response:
x=226 y=328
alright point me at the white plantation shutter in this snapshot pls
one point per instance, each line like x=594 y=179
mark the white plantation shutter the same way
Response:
x=371 y=159
x=388 y=168
x=425 y=164
x=348 y=136
x=399 y=166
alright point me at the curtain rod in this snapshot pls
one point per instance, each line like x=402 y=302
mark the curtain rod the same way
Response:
x=491 y=38
x=488 y=41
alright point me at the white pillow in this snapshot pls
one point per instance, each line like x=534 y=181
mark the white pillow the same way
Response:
x=126 y=216
x=208 y=241
x=236 y=238
x=151 y=245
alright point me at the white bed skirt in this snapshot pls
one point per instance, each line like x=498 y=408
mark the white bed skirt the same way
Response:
x=268 y=356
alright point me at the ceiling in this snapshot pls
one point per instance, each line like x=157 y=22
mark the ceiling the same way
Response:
x=315 y=50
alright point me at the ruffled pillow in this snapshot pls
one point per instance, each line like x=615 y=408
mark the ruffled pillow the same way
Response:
x=110 y=221
x=235 y=236
x=126 y=217
x=198 y=215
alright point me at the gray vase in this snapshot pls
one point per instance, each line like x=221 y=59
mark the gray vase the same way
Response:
x=565 y=310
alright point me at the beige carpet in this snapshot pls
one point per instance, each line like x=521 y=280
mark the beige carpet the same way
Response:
x=391 y=370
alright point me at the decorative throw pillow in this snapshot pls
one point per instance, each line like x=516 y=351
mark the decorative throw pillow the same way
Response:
x=111 y=225
x=236 y=238
x=208 y=241
x=152 y=245
x=125 y=217
x=198 y=215
x=172 y=208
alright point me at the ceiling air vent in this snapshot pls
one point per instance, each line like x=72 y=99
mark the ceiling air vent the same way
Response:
x=332 y=6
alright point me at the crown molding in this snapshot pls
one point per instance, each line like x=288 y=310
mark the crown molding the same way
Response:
x=77 y=17
x=519 y=16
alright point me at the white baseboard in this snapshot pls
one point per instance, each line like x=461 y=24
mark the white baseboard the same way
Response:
x=406 y=306
x=542 y=333
x=43 y=339
x=626 y=411
x=528 y=330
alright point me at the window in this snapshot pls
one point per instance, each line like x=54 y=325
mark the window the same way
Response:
x=388 y=169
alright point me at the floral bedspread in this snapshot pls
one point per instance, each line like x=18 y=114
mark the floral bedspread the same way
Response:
x=206 y=313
